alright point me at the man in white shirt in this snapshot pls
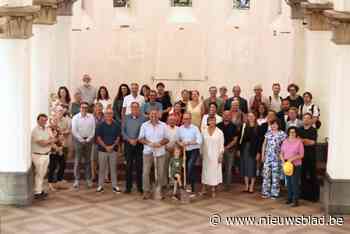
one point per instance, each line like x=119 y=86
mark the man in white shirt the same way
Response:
x=133 y=97
x=83 y=129
x=153 y=135
x=41 y=146
x=275 y=101
x=190 y=138
x=311 y=108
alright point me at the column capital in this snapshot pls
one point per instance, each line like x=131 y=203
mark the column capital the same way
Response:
x=340 y=24
x=316 y=21
x=65 y=7
x=17 y=22
x=296 y=11
x=48 y=12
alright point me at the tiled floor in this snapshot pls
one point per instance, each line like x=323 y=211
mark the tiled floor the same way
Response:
x=87 y=212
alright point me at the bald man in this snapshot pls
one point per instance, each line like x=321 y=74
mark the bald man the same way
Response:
x=231 y=133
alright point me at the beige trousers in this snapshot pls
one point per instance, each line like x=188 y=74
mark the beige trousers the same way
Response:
x=41 y=163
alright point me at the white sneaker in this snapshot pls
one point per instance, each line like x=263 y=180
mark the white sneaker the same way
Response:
x=99 y=189
x=116 y=190
x=76 y=184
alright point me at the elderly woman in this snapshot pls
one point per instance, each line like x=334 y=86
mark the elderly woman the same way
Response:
x=213 y=150
x=293 y=151
x=238 y=117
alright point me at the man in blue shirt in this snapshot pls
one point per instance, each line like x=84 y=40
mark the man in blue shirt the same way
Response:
x=133 y=148
x=108 y=135
x=190 y=138
x=152 y=104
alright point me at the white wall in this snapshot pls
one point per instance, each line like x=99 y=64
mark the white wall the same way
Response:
x=225 y=55
x=211 y=48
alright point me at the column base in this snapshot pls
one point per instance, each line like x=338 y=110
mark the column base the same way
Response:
x=16 y=188
x=336 y=196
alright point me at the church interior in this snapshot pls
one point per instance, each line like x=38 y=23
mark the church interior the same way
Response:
x=184 y=44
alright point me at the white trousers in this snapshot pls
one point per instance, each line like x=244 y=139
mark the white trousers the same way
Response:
x=41 y=163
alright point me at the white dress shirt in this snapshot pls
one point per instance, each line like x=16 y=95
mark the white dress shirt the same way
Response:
x=188 y=134
x=154 y=134
x=83 y=127
x=128 y=100
x=275 y=103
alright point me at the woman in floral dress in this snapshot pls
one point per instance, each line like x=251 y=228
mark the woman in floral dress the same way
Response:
x=272 y=164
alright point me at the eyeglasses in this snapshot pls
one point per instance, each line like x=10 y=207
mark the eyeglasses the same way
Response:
x=84 y=107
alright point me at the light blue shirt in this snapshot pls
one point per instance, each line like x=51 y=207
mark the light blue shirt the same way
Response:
x=153 y=134
x=188 y=134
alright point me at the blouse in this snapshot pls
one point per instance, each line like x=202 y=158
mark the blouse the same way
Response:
x=291 y=148
x=196 y=113
x=273 y=144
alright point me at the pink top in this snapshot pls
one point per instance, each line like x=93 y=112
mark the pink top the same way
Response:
x=291 y=148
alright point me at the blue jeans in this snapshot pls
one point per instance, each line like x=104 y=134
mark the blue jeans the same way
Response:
x=293 y=184
x=191 y=158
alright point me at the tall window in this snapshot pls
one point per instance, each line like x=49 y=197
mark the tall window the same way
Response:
x=121 y=3
x=181 y=3
x=241 y=4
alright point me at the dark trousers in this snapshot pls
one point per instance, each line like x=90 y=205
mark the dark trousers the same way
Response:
x=56 y=163
x=82 y=155
x=310 y=189
x=134 y=158
x=191 y=158
x=293 y=184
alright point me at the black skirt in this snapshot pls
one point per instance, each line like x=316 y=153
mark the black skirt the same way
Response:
x=248 y=161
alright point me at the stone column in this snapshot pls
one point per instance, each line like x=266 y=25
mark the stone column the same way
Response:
x=336 y=194
x=318 y=56
x=61 y=69
x=42 y=56
x=298 y=64
x=15 y=162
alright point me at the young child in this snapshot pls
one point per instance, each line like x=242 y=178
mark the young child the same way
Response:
x=175 y=166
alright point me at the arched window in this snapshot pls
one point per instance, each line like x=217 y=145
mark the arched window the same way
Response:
x=241 y=4
x=121 y=3
x=181 y=3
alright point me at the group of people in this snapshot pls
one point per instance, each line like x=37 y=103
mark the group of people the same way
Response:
x=255 y=137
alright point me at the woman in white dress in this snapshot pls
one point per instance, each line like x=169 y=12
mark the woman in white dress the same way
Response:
x=212 y=113
x=213 y=151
